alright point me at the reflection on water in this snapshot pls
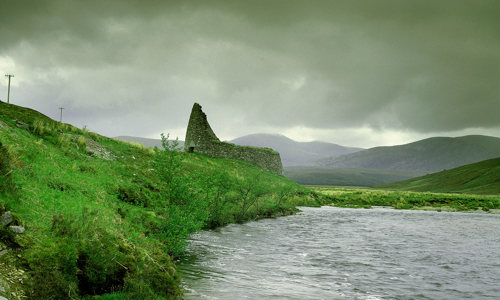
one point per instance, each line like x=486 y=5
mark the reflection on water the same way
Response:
x=335 y=253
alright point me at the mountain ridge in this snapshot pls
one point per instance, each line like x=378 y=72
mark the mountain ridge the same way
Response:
x=426 y=156
x=294 y=153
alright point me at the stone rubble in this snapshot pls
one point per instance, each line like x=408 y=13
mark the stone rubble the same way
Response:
x=17 y=229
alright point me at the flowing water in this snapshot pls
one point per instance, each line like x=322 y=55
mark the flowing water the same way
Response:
x=336 y=253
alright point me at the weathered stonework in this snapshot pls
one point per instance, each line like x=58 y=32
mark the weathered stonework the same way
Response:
x=200 y=138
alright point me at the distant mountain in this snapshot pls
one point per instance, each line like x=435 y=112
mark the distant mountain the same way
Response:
x=294 y=153
x=145 y=141
x=425 y=156
x=478 y=178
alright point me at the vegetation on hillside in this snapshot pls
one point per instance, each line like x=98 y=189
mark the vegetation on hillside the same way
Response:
x=478 y=178
x=106 y=218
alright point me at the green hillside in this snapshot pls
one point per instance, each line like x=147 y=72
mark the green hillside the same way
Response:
x=345 y=177
x=478 y=178
x=104 y=218
x=425 y=156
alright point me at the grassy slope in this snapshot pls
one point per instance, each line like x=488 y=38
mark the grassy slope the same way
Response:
x=102 y=220
x=345 y=177
x=478 y=178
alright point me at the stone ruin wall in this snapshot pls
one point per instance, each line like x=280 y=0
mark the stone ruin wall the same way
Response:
x=262 y=157
x=200 y=138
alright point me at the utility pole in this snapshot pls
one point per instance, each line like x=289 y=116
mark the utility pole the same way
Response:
x=8 y=93
x=60 y=119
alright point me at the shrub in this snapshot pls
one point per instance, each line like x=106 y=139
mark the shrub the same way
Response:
x=187 y=211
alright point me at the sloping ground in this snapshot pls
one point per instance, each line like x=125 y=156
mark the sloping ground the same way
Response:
x=345 y=177
x=478 y=178
x=104 y=217
x=425 y=156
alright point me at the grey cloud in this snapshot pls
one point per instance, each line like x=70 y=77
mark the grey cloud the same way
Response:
x=422 y=66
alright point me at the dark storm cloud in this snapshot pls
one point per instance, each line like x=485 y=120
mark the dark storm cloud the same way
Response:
x=135 y=67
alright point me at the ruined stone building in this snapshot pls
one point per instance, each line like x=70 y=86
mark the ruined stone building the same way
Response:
x=200 y=138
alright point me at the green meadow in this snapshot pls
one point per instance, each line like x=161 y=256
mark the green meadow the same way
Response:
x=361 y=197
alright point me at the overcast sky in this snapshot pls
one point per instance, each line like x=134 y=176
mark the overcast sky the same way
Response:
x=356 y=73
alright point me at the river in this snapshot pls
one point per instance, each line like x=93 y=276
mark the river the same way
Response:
x=339 y=253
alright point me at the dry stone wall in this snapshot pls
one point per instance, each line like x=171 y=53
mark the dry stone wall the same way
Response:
x=200 y=138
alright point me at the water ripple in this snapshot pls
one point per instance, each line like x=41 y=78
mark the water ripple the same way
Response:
x=333 y=253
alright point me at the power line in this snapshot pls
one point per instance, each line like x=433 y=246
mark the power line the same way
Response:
x=60 y=119
x=8 y=93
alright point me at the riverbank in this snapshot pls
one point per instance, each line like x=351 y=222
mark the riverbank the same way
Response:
x=360 y=197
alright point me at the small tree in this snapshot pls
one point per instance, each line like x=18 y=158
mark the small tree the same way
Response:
x=168 y=164
x=187 y=211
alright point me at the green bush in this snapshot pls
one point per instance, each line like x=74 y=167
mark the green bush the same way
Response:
x=187 y=211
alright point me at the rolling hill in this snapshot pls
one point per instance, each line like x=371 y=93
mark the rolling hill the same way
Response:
x=478 y=178
x=425 y=156
x=294 y=153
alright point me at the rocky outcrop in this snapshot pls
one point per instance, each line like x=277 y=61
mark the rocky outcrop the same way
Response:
x=200 y=138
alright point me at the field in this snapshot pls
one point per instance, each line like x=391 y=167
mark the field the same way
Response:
x=357 y=197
